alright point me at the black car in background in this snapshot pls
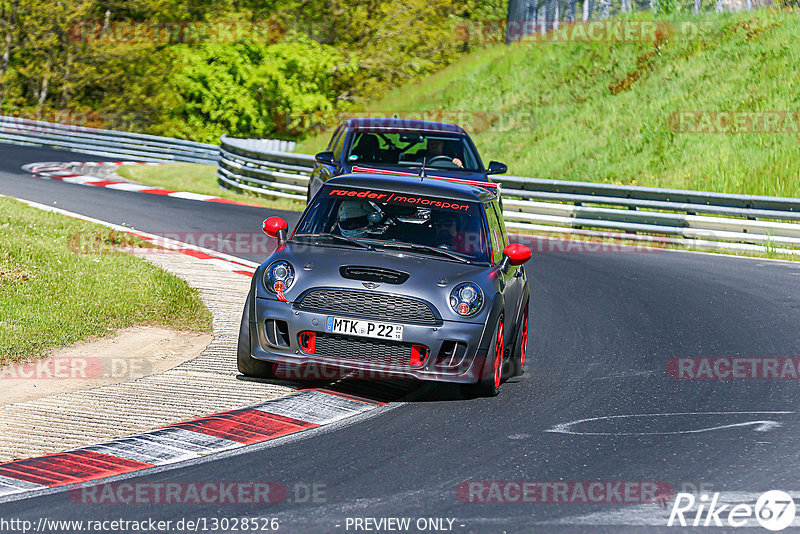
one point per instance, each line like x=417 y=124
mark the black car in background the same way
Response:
x=401 y=146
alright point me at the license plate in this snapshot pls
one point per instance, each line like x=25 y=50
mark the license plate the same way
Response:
x=352 y=327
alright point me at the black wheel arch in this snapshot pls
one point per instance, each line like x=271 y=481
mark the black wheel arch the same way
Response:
x=489 y=327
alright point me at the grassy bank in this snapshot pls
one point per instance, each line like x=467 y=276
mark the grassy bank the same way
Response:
x=198 y=178
x=61 y=282
x=611 y=111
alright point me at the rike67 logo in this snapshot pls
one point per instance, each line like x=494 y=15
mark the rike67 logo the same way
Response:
x=774 y=510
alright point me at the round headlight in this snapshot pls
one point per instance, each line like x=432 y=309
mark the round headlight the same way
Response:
x=468 y=293
x=466 y=299
x=279 y=276
x=280 y=272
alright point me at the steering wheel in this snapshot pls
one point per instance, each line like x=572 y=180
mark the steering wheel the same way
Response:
x=448 y=158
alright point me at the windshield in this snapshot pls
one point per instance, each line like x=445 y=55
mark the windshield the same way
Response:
x=403 y=149
x=397 y=220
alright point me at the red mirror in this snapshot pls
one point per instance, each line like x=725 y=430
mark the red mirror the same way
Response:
x=273 y=225
x=517 y=254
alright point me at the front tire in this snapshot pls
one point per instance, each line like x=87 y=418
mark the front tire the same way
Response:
x=492 y=378
x=248 y=365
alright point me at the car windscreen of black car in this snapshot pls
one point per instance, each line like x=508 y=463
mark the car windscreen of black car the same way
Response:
x=383 y=216
x=411 y=149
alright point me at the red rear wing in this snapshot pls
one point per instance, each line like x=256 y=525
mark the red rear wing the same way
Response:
x=486 y=185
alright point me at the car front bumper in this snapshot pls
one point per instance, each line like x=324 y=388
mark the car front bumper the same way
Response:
x=456 y=351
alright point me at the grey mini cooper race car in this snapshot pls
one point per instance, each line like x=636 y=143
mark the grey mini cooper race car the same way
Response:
x=390 y=276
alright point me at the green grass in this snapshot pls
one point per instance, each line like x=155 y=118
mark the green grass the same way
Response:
x=199 y=178
x=600 y=112
x=62 y=281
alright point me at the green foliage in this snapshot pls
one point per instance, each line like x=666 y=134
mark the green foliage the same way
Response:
x=252 y=89
x=486 y=10
x=318 y=55
x=667 y=7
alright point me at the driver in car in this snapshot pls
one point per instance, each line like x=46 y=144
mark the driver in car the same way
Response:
x=447 y=232
x=357 y=218
x=440 y=148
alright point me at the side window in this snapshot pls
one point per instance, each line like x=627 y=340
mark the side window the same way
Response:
x=334 y=138
x=338 y=144
x=499 y=213
x=495 y=233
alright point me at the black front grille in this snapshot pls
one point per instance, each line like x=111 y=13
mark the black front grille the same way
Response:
x=363 y=350
x=368 y=305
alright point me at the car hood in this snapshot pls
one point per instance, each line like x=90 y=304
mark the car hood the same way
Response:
x=429 y=278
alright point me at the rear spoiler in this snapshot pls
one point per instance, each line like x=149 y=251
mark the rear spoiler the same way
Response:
x=491 y=186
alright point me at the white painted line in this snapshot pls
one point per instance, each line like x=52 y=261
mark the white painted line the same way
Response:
x=222 y=264
x=190 y=196
x=128 y=187
x=760 y=425
x=315 y=407
x=80 y=179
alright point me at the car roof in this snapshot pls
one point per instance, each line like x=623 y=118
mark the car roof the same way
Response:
x=394 y=123
x=415 y=186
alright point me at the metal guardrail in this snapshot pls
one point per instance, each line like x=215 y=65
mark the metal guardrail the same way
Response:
x=109 y=143
x=705 y=219
x=249 y=165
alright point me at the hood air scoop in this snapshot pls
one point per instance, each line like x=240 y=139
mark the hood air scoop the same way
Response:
x=373 y=274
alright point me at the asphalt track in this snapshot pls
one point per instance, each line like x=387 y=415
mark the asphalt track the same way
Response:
x=603 y=327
